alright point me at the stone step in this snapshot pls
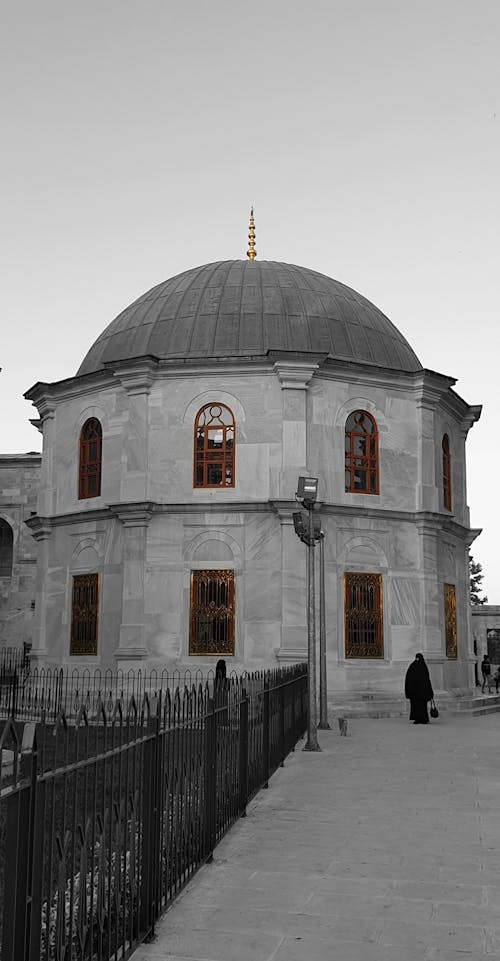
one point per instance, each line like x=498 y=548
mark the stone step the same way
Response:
x=382 y=704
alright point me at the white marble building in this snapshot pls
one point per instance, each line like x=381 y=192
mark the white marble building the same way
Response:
x=170 y=462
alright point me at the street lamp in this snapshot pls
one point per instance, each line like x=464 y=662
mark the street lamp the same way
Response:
x=323 y=701
x=306 y=494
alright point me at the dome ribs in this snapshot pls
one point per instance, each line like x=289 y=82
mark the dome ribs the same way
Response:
x=238 y=308
x=226 y=333
x=298 y=333
x=250 y=338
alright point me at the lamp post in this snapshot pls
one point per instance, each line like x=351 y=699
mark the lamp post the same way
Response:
x=306 y=494
x=323 y=702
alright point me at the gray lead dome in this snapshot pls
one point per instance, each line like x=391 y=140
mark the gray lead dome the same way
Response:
x=240 y=309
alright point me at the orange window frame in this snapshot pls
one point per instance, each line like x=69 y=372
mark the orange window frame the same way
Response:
x=361 y=454
x=446 y=472
x=90 y=459
x=214 y=447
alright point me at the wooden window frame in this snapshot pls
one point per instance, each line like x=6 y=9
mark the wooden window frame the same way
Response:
x=6 y=548
x=90 y=466
x=356 y=463
x=208 y=617
x=84 y=636
x=450 y=621
x=445 y=445
x=364 y=617
x=206 y=457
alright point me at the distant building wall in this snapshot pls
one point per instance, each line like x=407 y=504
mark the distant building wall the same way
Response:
x=486 y=630
x=19 y=484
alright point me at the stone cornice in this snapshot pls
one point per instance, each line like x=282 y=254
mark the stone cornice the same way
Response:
x=136 y=375
x=295 y=374
x=41 y=394
x=471 y=417
x=40 y=527
x=30 y=459
x=133 y=514
x=140 y=512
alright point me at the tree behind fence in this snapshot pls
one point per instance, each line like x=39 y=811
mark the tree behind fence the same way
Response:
x=104 y=820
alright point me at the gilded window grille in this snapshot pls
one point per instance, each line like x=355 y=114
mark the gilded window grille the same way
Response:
x=363 y=615
x=446 y=473
x=361 y=454
x=212 y=607
x=84 y=614
x=450 y=620
x=214 y=447
x=89 y=469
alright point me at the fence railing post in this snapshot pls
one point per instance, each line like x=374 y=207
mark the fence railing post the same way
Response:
x=149 y=813
x=210 y=779
x=19 y=856
x=282 y=722
x=13 y=710
x=265 y=733
x=243 y=753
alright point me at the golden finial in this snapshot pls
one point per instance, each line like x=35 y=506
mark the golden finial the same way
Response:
x=251 y=252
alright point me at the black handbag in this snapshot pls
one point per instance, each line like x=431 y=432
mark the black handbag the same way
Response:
x=433 y=709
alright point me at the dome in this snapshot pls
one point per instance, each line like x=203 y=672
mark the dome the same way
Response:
x=241 y=308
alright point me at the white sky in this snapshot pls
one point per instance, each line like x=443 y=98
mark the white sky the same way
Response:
x=136 y=135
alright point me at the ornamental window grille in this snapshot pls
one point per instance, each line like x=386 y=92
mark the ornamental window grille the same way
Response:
x=361 y=454
x=211 y=627
x=214 y=445
x=84 y=614
x=446 y=473
x=6 y=548
x=363 y=615
x=89 y=469
x=450 y=620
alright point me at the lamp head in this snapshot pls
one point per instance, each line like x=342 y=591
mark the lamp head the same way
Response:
x=307 y=490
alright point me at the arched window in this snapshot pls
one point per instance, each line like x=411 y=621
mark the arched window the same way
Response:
x=6 y=548
x=89 y=471
x=446 y=473
x=361 y=453
x=214 y=431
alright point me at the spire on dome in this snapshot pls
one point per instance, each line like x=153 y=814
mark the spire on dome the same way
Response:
x=251 y=252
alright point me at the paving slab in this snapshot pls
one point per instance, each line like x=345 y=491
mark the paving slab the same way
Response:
x=384 y=846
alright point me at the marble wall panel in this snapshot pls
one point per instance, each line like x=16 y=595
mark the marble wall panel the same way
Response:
x=263 y=541
x=262 y=595
x=262 y=641
x=405 y=601
x=404 y=553
x=164 y=539
x=294 y=444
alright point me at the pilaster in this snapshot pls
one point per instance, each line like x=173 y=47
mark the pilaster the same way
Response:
x=41 y=530
x=293 y=591
x=294 y=377
x=132 y=645
x=136 y=378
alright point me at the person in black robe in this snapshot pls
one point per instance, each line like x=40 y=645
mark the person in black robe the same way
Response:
x=418 y=690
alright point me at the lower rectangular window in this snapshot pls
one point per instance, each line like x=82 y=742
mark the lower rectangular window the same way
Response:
x=211 y=622
x=84 y=614
x=450 y=620
x=363 y=615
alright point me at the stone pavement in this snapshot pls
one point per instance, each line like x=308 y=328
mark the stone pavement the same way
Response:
x=384 y=847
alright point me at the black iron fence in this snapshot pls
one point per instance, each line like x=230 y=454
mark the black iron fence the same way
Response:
x=41 y=694
x=105 y=818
